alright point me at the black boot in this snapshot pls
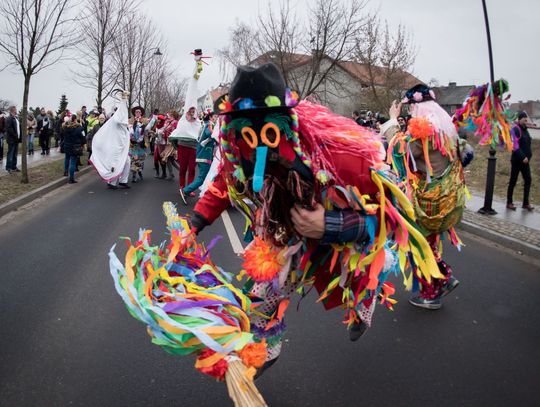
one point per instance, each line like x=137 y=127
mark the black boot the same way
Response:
x=163 y=172
x=262 y=369
x=357 y=330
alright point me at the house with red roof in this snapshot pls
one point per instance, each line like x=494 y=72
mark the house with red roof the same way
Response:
x=348 y=85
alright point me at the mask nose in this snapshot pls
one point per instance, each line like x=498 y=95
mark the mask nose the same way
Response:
x=260 y=166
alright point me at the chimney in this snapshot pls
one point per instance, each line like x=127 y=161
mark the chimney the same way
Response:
x=452 y=84
x=316 y=53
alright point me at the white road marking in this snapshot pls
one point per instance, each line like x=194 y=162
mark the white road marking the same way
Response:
x=231 y=232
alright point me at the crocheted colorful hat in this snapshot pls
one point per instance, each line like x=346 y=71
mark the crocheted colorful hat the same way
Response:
x=255 y=88
x=418 y=93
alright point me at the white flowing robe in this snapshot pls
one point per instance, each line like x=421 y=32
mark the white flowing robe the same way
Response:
x=110 y=145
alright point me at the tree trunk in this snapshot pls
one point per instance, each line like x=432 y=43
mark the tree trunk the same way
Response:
x=99 y=99
x=24 y=130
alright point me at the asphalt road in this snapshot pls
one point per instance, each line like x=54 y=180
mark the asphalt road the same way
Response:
x=66 y=338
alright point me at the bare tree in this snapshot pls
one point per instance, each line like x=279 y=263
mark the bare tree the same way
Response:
x=4 y=105
x=434 y=83
x=307 y=52
x=34 y=35
x=161 y=89
x=243 y=47
x=133 y=48
x=387 y=57
x=99 y=25
x=279 y=37
x=333 y=28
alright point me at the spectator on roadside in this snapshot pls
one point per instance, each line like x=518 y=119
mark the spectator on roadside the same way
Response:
x=2 y=134
x=91 y=120
x=31 y=125
x=380 y=121
x=83 y=117
x=45 y=128
x=356 y=117
x=81 y=122
x=58 y=129
x=13 y=138
x=402 y=123
x=520 y=162
x=39 y=120
x=92 y=133
x=73 y=141
x=370 y=120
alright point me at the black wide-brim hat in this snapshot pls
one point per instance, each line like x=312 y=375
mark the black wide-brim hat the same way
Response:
x=256 y=88
x=137 y=108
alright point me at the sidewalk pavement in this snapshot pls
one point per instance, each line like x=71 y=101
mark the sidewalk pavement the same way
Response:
x=33 y=160
x=518 y=230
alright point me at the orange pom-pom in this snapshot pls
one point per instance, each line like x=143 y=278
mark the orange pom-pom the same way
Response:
x=254 y=354
x=262 y=261
x=420 y=128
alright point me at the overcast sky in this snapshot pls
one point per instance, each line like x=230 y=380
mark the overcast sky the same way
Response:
x=450 y=37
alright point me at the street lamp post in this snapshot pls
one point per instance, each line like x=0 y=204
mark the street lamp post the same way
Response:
x=157 y=53
x=492 y=159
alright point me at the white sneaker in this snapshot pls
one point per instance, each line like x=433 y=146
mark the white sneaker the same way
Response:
x=183 y=196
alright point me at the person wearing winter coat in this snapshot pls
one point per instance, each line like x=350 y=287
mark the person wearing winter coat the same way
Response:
x=520 y=160
x=32 y=126
x=13 y=138
x=45 y=129
x=72 y=142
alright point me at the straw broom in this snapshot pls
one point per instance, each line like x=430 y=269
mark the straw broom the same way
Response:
x=241 y=388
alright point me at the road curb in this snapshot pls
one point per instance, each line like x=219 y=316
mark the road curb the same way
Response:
x=16 y=203
x=505 y=240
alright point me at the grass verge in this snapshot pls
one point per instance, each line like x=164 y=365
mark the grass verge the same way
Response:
x=11 y=186
x=476 y=172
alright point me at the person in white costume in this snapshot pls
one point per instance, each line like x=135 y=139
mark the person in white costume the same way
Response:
x=110 y=148
x=189 y=128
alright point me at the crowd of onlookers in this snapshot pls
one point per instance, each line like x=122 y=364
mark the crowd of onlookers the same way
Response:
x=374 y=121
x=70 y=132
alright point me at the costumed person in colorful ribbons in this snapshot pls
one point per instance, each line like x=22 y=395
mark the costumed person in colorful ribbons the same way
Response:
x=320 y=206
x=188 y=130
x=166 y=149
x=205 y=154
x=155 y=131
x=137 y=145
x=430 y=170
x=110 y=148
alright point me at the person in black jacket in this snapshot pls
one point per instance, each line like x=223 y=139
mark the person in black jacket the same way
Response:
x=45 y=128
x=13 y=138
x=521 y=157
x=73 y=140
